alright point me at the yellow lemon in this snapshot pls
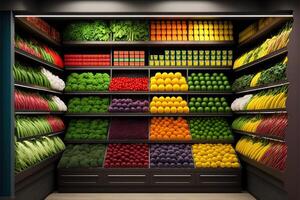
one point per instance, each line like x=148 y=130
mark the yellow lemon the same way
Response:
x=170 y=103
x=164 y=75
x=182 y=81
x=183 y=103
x=176 y=87
x=164 y=104
x=157 y=103
x=178 y=75
x=160 y=109
x=167 y=109
x=168 y=98
x=186 y=109
x=153 y=109
x=180 y=109
x=155 y=98
x=173 y=109
x=161 y=88
x=179 y=99
x=153 y=87
x=176 y=104
x=152 y=104
x=184 y=87
x=169 y=88
x=160 y=81
x=168 y=81
x=153 y=81
x=175 y=81
x=173 y=99
x=158 y=75
x=171 y=75
x=161 y=98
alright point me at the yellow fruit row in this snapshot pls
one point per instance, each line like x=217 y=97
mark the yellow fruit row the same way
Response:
x=168 y=105
x=168 y=82
x=215 y=155
x=267 y=101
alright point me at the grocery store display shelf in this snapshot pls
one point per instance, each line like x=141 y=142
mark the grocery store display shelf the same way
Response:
x=42 y=135
x=33 y=112
x=37 y=88
x=254 y=112
x=146 y=43
x=103 y=68
x=36 y=168
x=141 y=141
x=38 y=60
x=263 y=59
x=149 y=180
x=68 y=114
x=272 y=138
x=148 y=93
x=264 y=87
x=274 y=24
x=268 y=170
x=21 y=22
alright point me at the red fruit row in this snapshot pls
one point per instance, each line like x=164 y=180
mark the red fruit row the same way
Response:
x=275 y=125
x=275 y=156
x=56 y=123
x=127 y=156
x=87 y=59
x=128 y=84
x=33 y=101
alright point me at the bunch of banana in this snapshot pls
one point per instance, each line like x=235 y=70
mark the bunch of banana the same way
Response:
x=255 y=80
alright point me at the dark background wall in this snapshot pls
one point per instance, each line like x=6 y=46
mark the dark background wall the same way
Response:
x=199 y=7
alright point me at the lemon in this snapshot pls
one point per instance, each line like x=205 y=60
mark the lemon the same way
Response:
x=158 y=75
x=160 y=81
x=153 y=87
x=161 y=98
x=171 y=75
x=186 y=109
x=153 y=109
x=168 y=98
x=161 y=88
x=182 y=81
x=183 y=103
x=170 y=103
x=175 y=81
x=228 y=164
x=214 y=165
x=167 y=109
x=164 y=104
x=180 y=109
x=173 y=99
x=179 y=99
x=164 y=75
x=169 y=88
x=160 y=109
x=178 y=75
x=176 y=104
x=173 y=109
x=152 y=104
x=184 y=87
x=176 y=87
x=155 y=98
x=157 y=103
x=168 y=81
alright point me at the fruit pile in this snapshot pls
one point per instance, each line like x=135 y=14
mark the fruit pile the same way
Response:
x=274 y=74
x=169 y=128
x=208 y=104
x=269 y=99
x=215 y=156
x=128 y=128
x=192 y=58
x=88 y=104
x=43 y=26
x=82 y=60
x=168 y=82
x=82 y=156
x=274 y=125
x=270 y=154
x=37 y=76
x=129 y=58
x=270 y=45
x=171 y=30
x=128 y=105
x=86 y=129
x=210 y=129
x=210 y=30
x=128 y=84
x=209 y=82
x=88 y=82
x=171 y=156
x=39 y=50
x=34 y=101
x=127 y=156
x=33 y=126
x=168 y=105
x=31 y=152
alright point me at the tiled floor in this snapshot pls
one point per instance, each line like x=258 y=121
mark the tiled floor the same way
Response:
x=150 y=196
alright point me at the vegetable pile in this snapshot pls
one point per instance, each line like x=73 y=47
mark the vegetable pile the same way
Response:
x=128 y=128
x=210 y=129
x=209 y=82
x=88 y=104
x=215 y=156
x=129 y=30
x=129 y=105
x=97 y=30
x=274 y=125
x=33 y=126
x=35 y=101
x=82 y=155
x=208 y=104
x=87 y=82
x=168 y=105
x=168 y=82
x=242 y=82
x=39 y=50
x=31 y=152
x=127 y=156
x=128 y=84
x=86 y=129
x=169 y=128
x=171 y=156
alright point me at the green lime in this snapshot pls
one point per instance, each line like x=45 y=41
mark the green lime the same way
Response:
x=200 y=109
x=209 y=88
x=196 y=82
x=207 y=78
x=190 y=78
x=193 y=74
x=193 y=99
x=215 y=87
x=197 y=88
x=195 y=78
x=199 y=99
x=203 y=87
x=205 y=99
x=203 y=104
x=192 y=88
x=197 y=104
x=208 y=82
x=191 y=104
x=206 y=74
x=193 y=109
x=227 y=87
x=223 y=99
x=220 y=109
x=224 y=104
x=207 y=109
x=215 y=74
x=222 y=87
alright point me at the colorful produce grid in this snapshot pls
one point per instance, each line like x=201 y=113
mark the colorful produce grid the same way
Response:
x=128 y=105
x=87 y=60
x=210 y=82
x=129 y=58
x=128 y=84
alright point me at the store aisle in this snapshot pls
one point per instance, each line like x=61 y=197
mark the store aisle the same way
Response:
x=150 y=196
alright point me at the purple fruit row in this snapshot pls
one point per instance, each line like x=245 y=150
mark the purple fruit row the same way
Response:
x=129 y=105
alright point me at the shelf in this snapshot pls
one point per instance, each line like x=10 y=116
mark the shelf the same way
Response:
x=35 y=31
x=138 y=141
x=272 y=138
x=254 y=112
x=68 y=114
x=275 y=24
x=146 y=43
x=264 y=87
x=30 y=112
x=37 y=60
x=39 y=136
x=101 y=68
x=36 y=168
x=270 y=171
x=264 y=59
x=147 y=93
x=37 y=88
